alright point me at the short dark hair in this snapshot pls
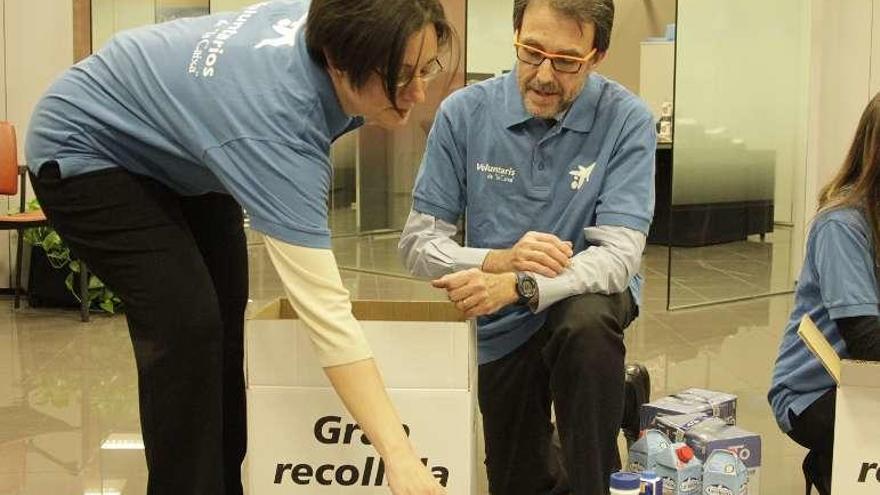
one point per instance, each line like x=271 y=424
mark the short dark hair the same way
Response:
x=600 y=13
x=366 y=36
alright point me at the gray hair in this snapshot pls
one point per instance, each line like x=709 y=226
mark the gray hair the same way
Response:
x=600 y=13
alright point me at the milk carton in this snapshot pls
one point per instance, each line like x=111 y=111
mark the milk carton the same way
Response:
x=724 y=474
x=706 y=434
x=681 y=471
x=643 y=454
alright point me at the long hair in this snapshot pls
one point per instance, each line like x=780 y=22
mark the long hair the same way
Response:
x=857 y=183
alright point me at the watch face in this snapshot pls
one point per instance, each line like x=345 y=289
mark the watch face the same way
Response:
x=529 y=286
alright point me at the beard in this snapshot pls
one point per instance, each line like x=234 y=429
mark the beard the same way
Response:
x=544 y=99
x=548 y=99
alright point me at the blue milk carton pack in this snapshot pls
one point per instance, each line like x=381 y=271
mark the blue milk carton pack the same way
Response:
x=690 y=401
x=724 y=474
x=706 y=434
x=681 y=471
x=643 y=454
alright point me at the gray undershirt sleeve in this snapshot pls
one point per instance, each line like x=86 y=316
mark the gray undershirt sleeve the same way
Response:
x=428 y=250
x=605 y=267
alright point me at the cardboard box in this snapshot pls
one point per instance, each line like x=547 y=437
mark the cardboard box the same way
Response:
x=856 y=469
x=706 y=434
x=301 y=440
x=690 y=401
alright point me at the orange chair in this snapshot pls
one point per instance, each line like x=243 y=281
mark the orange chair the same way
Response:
x=12 y=180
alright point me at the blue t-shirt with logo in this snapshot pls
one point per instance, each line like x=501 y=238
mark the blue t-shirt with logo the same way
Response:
x=489 y=161
x=227 y=103
x=838 y=280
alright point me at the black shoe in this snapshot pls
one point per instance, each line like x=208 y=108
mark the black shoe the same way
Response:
x=815 y=475
x=638 y=392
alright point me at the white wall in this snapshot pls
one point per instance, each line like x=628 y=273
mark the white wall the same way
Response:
x=2 y=61
x=228 y=5
x=842 y=78
x=875 y=49
x=8 y=364
x=657 y=74
x=634 y=21
x=111 y=16
x=841 y=83
x=4 y=200
x=38 y=46
x=490 y=36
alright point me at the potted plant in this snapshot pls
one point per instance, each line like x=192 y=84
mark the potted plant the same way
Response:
x=57 y=254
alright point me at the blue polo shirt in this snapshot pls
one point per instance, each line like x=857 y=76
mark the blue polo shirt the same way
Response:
x=226 y=103
x=489 y=161
x=837 y=280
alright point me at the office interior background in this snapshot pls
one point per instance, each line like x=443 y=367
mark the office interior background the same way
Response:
x=766 y=96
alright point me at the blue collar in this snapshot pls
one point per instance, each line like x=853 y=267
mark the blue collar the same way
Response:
x=338 y=122
x=579 y=117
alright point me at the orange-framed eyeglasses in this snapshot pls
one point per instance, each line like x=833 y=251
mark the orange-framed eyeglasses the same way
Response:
x=561 y=63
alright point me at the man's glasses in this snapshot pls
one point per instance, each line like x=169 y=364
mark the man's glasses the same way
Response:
x=561 y=63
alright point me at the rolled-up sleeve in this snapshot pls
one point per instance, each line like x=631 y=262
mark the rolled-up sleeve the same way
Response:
x=311 y=280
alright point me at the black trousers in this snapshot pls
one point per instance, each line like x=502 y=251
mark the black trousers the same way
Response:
x=179 y=264
x=814 y=430
x=575 y=361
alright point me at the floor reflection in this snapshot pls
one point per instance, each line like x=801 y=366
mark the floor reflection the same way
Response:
x=68 y=403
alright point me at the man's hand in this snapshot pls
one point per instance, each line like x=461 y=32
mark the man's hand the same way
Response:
x=477 y=293
x=536 y=252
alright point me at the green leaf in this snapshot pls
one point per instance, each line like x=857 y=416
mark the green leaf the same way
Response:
x=95 y=282
x=52 y=240
x=107 y=306
x=68 y=282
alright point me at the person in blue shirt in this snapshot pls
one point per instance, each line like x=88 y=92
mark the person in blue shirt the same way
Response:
x=837 y=288
x=551 y=169
x=143 y=156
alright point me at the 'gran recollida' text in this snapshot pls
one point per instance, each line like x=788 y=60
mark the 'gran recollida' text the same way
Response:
x=330 y=430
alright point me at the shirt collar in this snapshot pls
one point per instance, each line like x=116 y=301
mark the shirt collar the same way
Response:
x=579 y=117
x=338 y=122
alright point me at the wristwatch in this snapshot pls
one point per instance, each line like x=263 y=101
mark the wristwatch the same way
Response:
x=526 y=288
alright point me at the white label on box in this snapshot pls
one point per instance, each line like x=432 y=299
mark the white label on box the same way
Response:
x=856 y=468
x=302 y=441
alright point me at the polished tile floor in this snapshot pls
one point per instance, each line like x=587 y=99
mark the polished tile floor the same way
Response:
x=68 y=407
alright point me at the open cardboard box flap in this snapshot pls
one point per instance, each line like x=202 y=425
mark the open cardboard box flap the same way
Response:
x=844 y=371
x=281 y=309
x=417 y=344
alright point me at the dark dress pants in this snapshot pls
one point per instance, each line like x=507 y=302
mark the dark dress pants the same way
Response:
x=814 y=430
x=179 y=264
x=575 y=361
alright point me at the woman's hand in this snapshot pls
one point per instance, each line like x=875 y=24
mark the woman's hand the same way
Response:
x=408 y=476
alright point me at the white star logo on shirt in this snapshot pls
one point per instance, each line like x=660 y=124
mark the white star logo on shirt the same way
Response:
x=287 y=28
x=581 y=176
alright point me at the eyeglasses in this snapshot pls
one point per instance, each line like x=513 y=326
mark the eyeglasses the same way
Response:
x=561 y=63
x=427 y=74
